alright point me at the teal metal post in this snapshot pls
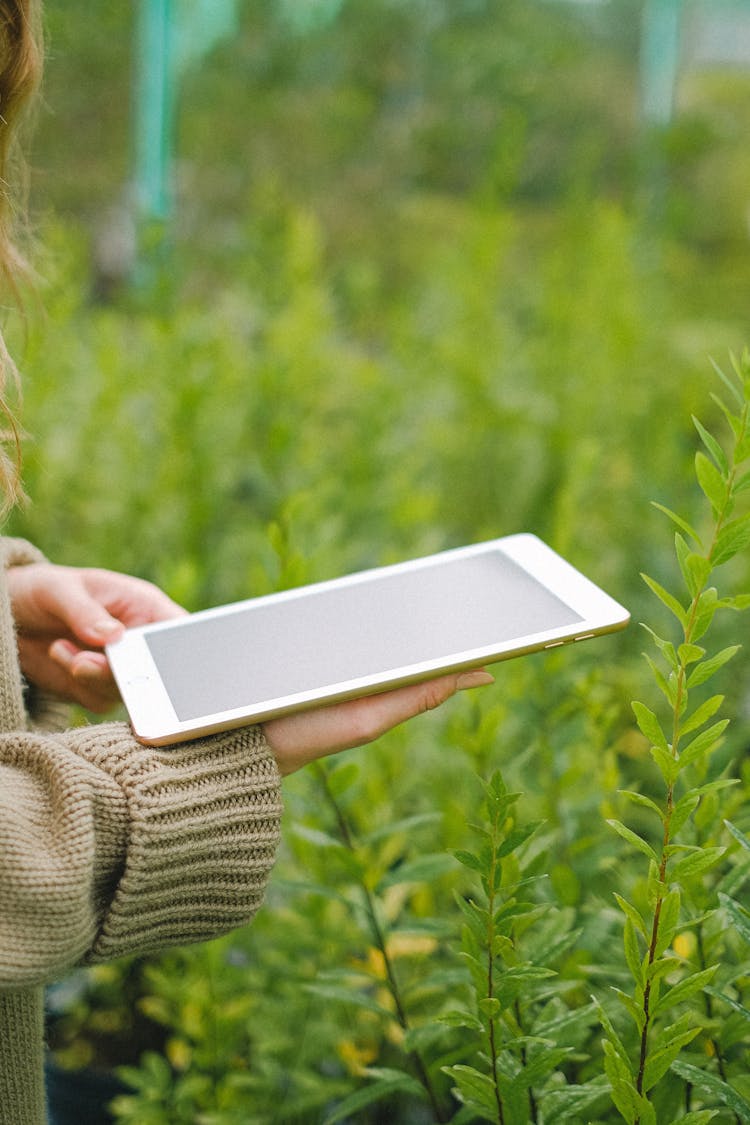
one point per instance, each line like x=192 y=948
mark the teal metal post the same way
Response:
x=154 y=111
x=660 y=59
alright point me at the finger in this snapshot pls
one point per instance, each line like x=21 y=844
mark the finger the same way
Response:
x=84 y=615
x=90 y=681
x=132 y=601
x=301 y=738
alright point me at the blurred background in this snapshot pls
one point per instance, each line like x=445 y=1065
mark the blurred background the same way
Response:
x=424 y=271
x=325 y=284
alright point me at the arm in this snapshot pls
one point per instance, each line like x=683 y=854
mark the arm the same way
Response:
x=109 y=847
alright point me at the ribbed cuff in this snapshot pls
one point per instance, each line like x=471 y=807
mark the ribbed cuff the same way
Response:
x=204 y=825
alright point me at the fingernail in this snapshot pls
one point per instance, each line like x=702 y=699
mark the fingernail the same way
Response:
x=106 y=628
x=474 y=679
x=62 y=653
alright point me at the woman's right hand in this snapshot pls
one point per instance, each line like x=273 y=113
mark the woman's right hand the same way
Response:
x=301 y=738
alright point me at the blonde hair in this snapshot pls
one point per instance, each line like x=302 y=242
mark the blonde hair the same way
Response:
x=21 y=59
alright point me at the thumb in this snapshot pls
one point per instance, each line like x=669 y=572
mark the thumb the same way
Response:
x=85 y=617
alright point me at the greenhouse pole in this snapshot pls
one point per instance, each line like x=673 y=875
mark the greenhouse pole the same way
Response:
x=660 y=64
x=660 y=60
x=154 y=112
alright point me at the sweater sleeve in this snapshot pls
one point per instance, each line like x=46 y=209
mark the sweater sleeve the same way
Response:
x=108 y=847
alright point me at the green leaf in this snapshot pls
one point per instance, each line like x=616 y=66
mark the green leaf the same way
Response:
x=387 y=1083
x=342 y=777
x=667 y=599
x=707 y=668
x=490 y=1007
x=633 y=955
x=681 y=523
x=705 y=610
x=661 y=968
x=538 y=1067
x=461 y=1019
x=349 y=996
x=572 y=1101
x=695 y=568
x=712 y=483
x=666 y=648
x=613 y=1038
x=686 y=988
x=471 y=860
x=668 y=687
x=317 y=837
x=649 y=725
x=642 y=800
x=547 y=1028
x=695 y=863
x=714 y=1087
x=739 y=603
x=731 y=387
x=475 y=1088
x=397 y=827
x=739 y=836
x=669 y=766
x=738 y=914
x=660 y=1061
x=669 y=918
x=524 y=972
x=623 y=1091
x=424 y=869
x=701 y=715
x=633 y=838
x=713 y=447
x=733 y=1004
x=682 y=812
x=696 y=1117
x=632 y=913
x=688 y=654
x=704 y=744
x=635 y=1010
x=732 y=539
x=516 y=838
x=736 y=424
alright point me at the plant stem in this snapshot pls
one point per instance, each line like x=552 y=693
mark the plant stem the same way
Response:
x=491 y=973
x=381 y=945
x=680 y=698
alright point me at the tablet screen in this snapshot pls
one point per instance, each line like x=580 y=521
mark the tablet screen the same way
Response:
x=311 y=640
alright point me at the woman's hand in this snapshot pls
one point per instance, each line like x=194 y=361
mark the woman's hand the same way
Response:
x=301 y=738
x=65 y=615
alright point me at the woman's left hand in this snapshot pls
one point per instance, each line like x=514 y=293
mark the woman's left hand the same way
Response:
x=65 y=615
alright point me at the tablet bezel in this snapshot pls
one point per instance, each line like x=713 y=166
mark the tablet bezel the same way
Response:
x=155 y=721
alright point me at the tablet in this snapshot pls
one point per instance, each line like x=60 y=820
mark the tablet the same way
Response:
x=354 y=636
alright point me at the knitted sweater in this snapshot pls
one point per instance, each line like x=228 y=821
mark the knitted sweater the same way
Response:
x=108 y=847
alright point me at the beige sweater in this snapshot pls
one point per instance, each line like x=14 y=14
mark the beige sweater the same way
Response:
x=108 y=847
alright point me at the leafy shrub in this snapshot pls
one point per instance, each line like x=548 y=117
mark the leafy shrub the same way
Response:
x=405 y=352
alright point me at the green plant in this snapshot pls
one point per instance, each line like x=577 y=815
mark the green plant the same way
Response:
x=668 y=987
x=515 y=1014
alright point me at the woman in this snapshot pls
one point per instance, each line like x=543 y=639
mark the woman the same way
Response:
x=108 y=847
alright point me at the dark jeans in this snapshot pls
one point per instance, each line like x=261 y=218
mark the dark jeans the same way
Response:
x=79 y=1097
